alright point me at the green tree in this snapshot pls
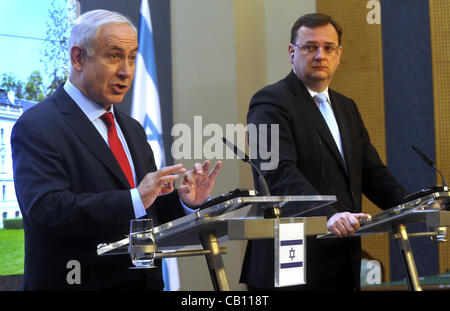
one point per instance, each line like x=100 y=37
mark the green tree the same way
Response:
x=56 y=82
x=56 y=45
x=34 y=89
x=9 y=83
x=55 y=56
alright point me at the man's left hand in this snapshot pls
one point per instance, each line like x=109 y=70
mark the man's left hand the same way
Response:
x=345 y=223
x=198 y=183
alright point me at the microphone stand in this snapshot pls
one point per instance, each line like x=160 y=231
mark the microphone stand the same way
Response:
x=431 y=164
x=273 y=212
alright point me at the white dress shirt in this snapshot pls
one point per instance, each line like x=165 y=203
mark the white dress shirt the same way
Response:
x=93 y=112
x=338 y=140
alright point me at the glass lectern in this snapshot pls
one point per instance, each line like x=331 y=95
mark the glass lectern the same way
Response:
x=241 y=218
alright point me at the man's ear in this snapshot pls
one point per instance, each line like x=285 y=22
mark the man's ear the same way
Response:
x=291 y=53
x=77 y=57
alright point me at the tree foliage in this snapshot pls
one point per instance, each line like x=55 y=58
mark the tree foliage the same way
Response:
x=33 y=89
x=9 y=83
x=55 y=57
x=56 y=45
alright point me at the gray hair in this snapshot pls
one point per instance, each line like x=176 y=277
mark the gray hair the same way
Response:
x=86 y=27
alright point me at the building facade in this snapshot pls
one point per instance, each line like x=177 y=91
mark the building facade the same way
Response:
x=10 y=110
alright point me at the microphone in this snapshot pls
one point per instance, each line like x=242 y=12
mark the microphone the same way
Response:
x=426 y=191
x=262 y=181
x=441 y=232
x=244 y=157
x=430 y=163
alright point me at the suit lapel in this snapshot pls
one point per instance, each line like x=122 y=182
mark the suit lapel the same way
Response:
x=88 y=134
x=344 y=130
x=309 y=106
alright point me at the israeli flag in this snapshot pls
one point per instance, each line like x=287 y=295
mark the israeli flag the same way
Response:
x=289 y=254
x=146 y=109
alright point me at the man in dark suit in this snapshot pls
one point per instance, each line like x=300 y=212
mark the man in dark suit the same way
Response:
x=81 y=174
x=324 y=149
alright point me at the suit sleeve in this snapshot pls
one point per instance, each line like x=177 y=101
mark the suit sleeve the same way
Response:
x=285 y=178
x=167 y=207
x=43 y=189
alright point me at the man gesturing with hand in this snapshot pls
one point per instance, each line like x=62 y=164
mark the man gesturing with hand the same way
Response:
x=83 y=169
x=198 y=183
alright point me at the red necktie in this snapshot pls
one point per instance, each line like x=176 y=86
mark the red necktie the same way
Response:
x=117 y=148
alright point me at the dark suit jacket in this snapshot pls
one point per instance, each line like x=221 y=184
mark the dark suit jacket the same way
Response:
x=73 y=196
x=310 y=163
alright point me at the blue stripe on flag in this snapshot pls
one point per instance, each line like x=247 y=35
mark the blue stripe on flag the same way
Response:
x=145 y=108
x=291 y=242
x=146 y=40
x=291 y=265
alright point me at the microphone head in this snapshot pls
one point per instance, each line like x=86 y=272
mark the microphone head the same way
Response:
x=423 y=156
x=244 y=157
x=414 y=148
x=241 y=155
x=430 y=163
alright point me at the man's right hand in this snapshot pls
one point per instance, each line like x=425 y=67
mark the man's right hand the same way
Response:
x=158 y=183
x=344 y=224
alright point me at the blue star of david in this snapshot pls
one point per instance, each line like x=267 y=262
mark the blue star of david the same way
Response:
x=154 y=134
x=292 y=253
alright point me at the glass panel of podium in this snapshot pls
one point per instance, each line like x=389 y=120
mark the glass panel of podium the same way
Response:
x=241 y=218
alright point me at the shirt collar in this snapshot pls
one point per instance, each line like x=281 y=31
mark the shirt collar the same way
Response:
x=90 y=108
x=313 y=93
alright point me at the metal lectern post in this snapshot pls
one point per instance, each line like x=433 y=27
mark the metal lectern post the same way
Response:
x=431 y=209
x=401 y=235
x=215 y=263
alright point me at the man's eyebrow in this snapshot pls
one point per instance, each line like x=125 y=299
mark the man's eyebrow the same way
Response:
x=118 y=48
x=316 y=42
x=115 y=47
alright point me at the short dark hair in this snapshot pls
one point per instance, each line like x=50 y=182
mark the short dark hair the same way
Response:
x=315 y=20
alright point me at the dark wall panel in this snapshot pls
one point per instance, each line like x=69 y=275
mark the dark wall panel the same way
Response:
x=408 y=87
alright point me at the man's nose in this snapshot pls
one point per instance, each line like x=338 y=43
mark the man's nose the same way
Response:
x=320 y=53
x=125 y=70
